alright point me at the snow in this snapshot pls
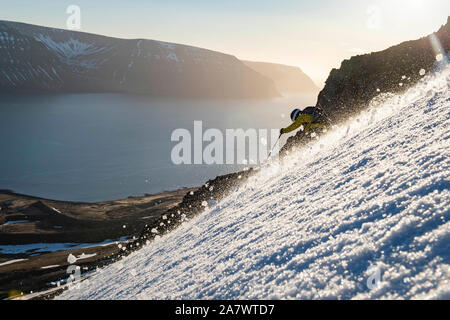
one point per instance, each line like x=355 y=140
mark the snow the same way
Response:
x=52 y=247
x=14 y=222
x=6 y=75
x=70 y=48
x=167 y=45
x=11 y=261
x=139 y=48
x=50 y=266
x=172 y=56
x=72 y=259
x=361 y=214
x=74 y=51
x=86 y=256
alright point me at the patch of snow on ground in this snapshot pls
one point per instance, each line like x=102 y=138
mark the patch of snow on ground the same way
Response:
x=11 y=261
x=53 y=247
x=50 y=267
x=14 y=222
x=86 y=256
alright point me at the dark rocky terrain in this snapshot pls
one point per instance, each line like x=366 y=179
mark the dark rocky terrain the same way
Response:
x=41 y=59
x=350 y=88
x=37 y=235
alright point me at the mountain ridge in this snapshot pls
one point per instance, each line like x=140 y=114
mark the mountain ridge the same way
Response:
x=45 y=59
x=287 y=79
x=362 y=78
x=393 y=70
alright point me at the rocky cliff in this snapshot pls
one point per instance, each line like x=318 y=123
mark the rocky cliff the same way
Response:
x=360 y=79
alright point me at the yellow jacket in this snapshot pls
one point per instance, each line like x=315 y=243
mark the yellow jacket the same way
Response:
x=306 y=120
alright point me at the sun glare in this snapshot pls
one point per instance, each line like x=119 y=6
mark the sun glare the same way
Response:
x=406 y=8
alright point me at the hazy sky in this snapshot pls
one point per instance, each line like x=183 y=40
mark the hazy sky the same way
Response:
x=314 y=35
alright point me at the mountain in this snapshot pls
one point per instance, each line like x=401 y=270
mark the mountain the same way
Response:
x=41 y=59
x=362 y=213
x=360 y=79
x=287 y=79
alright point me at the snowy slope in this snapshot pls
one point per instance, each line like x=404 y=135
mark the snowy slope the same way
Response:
x=373 y=193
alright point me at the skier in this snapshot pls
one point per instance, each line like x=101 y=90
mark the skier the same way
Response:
x=310 y=120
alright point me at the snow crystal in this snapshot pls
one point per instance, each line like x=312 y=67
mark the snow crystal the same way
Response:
x=71 y=259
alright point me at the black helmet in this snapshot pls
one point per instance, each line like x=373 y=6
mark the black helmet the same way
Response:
x=295 y=113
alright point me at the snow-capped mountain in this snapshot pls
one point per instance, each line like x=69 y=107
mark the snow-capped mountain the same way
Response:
x=361 y=213
x=34 y=58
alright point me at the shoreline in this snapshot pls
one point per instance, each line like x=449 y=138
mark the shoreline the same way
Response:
x=37 y=235
x=27 y=276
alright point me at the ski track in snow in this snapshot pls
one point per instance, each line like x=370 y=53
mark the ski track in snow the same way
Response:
x=373 y=193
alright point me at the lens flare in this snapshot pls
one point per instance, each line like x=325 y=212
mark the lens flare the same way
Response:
x=439 y=51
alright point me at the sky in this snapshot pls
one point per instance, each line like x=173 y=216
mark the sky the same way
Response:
x=313 y=35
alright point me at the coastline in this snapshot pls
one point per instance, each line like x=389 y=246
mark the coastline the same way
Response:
x=37 y=235
x=111 y=230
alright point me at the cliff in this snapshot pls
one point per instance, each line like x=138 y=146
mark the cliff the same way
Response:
x=349 y=89
x=360 y=79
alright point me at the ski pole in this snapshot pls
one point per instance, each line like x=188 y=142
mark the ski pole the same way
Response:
x=270 y=153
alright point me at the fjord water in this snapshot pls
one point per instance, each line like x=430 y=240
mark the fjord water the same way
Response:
x=96 y=147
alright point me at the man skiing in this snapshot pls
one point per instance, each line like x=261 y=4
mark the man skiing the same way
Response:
x=310 y=120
